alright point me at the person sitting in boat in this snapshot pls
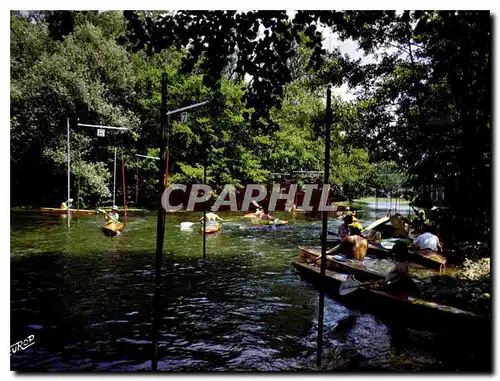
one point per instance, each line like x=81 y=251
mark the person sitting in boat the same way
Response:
x=212 y=218
x=113 y=216
x=266 y=216
x=372 y=236
x=428 y=240
x=419 y=221
x=67 y=204
x=354 y=246
x=259 y=212
x=398 y=279
x=398 y=223
x=344 y=228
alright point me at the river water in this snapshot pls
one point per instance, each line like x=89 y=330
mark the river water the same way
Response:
x=87 y=299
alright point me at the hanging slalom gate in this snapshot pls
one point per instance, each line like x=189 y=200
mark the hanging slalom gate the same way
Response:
x=137 y=174
x=101 y=132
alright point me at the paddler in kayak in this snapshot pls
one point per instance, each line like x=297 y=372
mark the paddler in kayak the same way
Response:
x=212 y=218
x=112 y=216
x=259 y=212
x=398 y=279
x=267 y=217
x=67 y=204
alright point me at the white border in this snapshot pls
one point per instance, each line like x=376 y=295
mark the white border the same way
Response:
x=147 y=4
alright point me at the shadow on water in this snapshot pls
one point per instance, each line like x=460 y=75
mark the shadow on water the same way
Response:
x=87 y=299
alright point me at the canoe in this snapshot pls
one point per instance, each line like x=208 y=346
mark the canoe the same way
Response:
x=211 y=228
x=427 y=258
x=398 y=307
x=112 y=228
x=350 y=266
x=62 y=211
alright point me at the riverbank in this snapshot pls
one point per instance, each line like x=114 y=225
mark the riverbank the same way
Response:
x=467 y=287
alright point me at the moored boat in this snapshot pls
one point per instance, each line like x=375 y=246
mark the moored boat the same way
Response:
x=427 y=258
x=404 y=309
x=333 y=262
x=112 y=228
x=65 y=211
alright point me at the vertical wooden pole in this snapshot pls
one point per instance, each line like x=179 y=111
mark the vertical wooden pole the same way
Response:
x=114 y=180
x=160 y=226
x=69 y=172
x=124 y=192
x=205 y=209
x=137 y=184
x=325 y=226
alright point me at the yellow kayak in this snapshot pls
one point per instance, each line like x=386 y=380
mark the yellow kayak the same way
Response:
x=112 y=228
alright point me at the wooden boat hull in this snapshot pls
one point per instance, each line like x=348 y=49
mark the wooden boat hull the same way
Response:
x=310 y=255
x=397 y=307
x=112 y=228
x=211 y=229
x=62 y=211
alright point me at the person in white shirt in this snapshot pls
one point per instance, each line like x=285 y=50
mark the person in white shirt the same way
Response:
x=428 y=240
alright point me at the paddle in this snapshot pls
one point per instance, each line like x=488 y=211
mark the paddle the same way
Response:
x=380 y=221
x=190 y=224
x=369 y=227
x=106 y=214
x=351 y=285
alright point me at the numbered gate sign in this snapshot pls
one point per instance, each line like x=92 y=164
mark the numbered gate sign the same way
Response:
x=184 y=117
x=101 y=132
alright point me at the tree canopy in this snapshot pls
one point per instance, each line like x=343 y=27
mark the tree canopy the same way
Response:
x=422 y=104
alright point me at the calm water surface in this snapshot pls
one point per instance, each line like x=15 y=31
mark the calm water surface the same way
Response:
x=87 y=300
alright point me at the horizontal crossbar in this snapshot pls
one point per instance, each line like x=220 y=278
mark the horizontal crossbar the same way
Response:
x=97 y=126
x=187 y=108
x=149 y=157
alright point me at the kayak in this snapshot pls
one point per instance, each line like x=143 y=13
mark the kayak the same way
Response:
x=211 y=228
x=427 y=258
x=65 y=211
x=112 y=228
x=251 y=215
x=272 y=222
x=401 y=307
x=338 y=263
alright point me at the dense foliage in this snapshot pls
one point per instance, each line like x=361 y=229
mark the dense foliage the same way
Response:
x=422 y=105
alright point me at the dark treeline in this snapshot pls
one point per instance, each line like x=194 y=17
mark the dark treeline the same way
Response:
x=422 y=114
